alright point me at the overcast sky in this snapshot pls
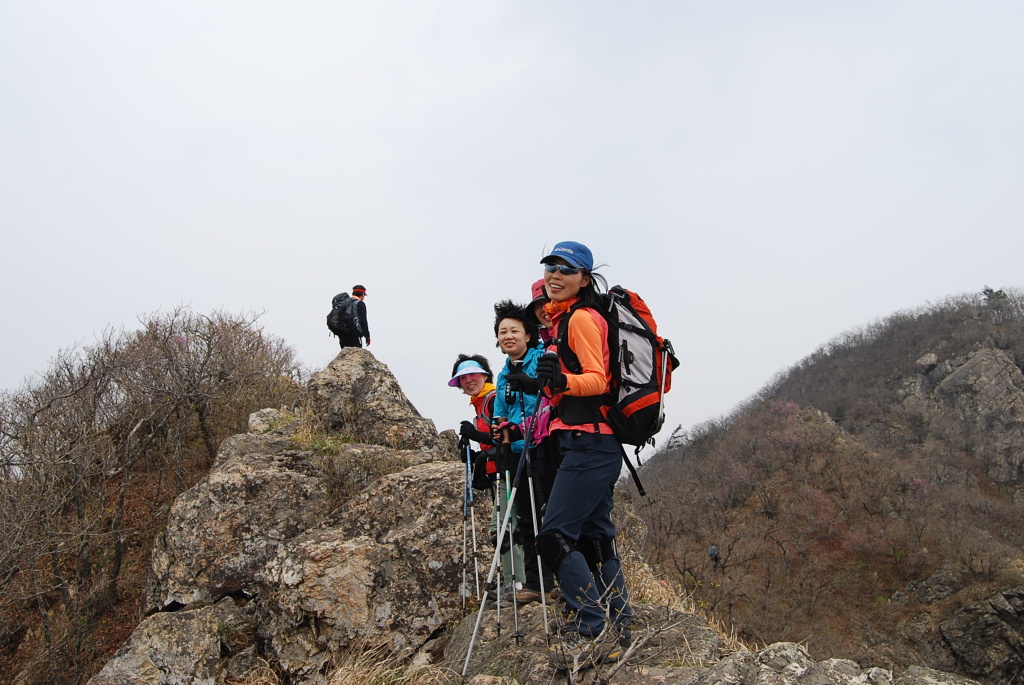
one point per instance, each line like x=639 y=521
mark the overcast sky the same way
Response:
x=766 y=175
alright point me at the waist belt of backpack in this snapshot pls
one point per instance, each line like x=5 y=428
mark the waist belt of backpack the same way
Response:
x=576 y=411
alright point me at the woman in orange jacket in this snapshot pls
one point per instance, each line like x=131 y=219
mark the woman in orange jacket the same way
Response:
x=577 y=537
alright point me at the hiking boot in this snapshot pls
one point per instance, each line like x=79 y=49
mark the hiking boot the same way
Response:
x=575 y=652
x=526 y=595
x=505 y=594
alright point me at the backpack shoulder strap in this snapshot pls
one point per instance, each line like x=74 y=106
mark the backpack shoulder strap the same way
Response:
x=565 y=352
x=487 y=407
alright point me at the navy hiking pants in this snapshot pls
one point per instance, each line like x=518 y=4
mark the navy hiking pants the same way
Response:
x=580 y=505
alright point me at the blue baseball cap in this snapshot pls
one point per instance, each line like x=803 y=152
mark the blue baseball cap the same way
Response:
x=577 y=254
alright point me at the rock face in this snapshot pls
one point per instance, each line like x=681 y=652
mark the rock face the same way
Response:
x=983 y=392
x=987 y=637
x=386 y=566
x=260 y=493
x=182 y=647
x=357 y=395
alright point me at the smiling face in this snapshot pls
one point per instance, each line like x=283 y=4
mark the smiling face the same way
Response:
x=561 y=287
x=512 y=338
x=472 y=383
x=542 y=316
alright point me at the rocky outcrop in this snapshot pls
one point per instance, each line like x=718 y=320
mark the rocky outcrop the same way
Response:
x=357 y=395
x=185 y=647
x=987 y=637
x=785 y=663
x=386 y=567
x=679 y=649
x=260 y=493
x=982 y=393
x=937 y=586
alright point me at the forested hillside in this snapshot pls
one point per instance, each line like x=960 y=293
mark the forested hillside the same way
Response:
x=863 y=497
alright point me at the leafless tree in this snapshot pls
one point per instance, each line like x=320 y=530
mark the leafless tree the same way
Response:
x=72 y=442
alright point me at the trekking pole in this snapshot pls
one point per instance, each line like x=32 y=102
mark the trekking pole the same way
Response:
x=533 y=513
x=472 y=526
x=512 y=566
x=497 y=552
x=489 y=586
x=469 y=520
x=465 y=523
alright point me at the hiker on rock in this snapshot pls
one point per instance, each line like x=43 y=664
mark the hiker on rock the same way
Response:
x=577 y=538
x=347 y=319
x=359 y=293
x=473 y=375
x=516 y=400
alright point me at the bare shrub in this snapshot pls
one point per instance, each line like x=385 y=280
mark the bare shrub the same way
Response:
x=84 y=453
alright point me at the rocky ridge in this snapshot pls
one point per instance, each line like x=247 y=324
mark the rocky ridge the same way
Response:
x=257 y=565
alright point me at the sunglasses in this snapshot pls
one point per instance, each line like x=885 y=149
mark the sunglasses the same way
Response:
x=563 y=269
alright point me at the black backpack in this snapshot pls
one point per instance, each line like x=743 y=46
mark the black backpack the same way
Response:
x=343 y=319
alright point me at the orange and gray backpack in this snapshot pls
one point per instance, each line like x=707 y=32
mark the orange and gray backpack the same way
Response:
x=641 y=367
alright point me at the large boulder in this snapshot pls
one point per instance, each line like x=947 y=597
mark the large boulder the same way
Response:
x=184 y=647
x=988 y=393
x=357 y=395
x=260 y=493
x=386 y=567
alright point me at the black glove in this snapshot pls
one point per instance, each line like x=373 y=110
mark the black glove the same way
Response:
x=483 y=476
x=505 y=544
x=467 y=429
x=549 y=372
x=523 y=382
x=506 y=460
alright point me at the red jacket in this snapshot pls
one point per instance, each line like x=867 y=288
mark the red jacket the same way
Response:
x=483 y=405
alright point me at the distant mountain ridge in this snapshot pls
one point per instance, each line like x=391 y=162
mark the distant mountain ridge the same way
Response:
x=871 y=497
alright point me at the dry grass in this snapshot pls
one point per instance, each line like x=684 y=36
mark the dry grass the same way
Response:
x=263 y=674
x=377 y=665
x=314 y=437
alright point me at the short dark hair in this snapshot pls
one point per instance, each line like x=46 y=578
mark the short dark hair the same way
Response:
x=479 y=359
x=507 y=309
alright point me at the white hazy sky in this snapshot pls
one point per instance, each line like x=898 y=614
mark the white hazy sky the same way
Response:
x=766 y=175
